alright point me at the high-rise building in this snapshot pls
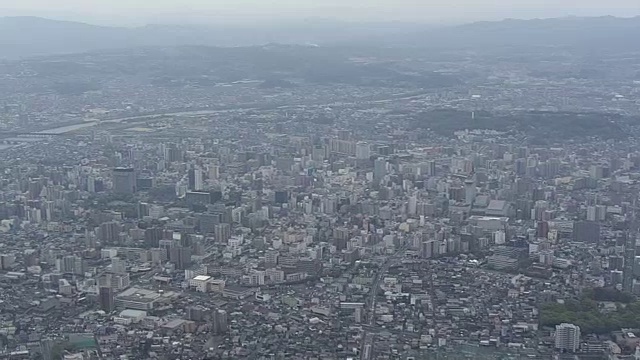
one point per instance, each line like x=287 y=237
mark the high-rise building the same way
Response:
x=152 y=236
x=591 y=213
x=432 y=168
x=199 y=180
x=109 y=232
x=628 y=262
x=542 y=229
x=222 y=232
x=124 y=180
x=281 y=196
x=379 y=169
x=70 y=264
x=91 y=184
x=142 y=209
x=173 y=154
x=586 y=231
x=114 y=281
x=219 y=322
x=412 y=205
x=214 y=171
x=107 y=299
x=469 y=191
x=616 y=262
x=207 y=222
x=363 y=151
x=196 y=313
x=196 y=179
x=158 y=255
x=271 y=258
x=567 y=337
x=181 y=257
x=46 y=348
x=596 y=213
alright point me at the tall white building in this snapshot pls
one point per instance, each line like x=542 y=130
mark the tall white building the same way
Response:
x=469 y=191
x=591 y=213
x=596 y=213
x=198 y=180
x=567 y=337
x=214 y=171
x=412 y=205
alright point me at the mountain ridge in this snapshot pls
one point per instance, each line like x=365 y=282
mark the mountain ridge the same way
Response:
x=25 y=36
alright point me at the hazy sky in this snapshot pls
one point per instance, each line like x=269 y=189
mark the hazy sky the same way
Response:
x=238 y=10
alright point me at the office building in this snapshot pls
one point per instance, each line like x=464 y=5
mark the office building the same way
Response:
x=379 y=170
x=180 y=257
x=431 y=169
x=596 y=213
x=138 y=299
x=567 y=337
x=271 y=258
x=197 y=198
x=124 y=180
x=109 y=232
x=70 y=264
x=196 y=313
x=107 y=299
x=47 y=348
x=196 y=179
x=114 y=281
x=469 y=191
x=219 y=322
x=200 y=283
x=222 y=232
x=152 y=236
x=144 y=183
x=586 y=231
x=173 y=154
x=363 y=151
x=281 y=197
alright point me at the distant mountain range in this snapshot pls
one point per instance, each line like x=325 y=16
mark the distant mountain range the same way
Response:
x=31 y=36
x=596 y=33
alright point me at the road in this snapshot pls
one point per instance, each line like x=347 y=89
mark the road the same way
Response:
x=369 y=332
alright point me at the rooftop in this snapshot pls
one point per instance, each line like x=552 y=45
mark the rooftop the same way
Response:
x=496 y=205
x=137 y=294
x=202 y=278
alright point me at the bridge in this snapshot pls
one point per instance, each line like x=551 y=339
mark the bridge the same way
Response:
x=27 y=134
x=23 y=137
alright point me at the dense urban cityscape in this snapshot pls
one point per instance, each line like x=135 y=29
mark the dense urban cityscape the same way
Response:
x=178 y=203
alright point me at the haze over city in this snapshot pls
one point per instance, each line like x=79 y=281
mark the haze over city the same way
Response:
x=320 y=180
x=135 y=12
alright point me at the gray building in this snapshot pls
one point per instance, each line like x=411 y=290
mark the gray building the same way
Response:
x=124 y=180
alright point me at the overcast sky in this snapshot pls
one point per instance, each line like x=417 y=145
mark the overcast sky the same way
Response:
x=146 y=11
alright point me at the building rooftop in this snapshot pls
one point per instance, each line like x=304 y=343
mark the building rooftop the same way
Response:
x=496 y=205
x=202 y=278
x=130 y=313
x=137 y=294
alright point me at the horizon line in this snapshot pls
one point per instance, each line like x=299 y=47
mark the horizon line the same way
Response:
x=289 y=21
